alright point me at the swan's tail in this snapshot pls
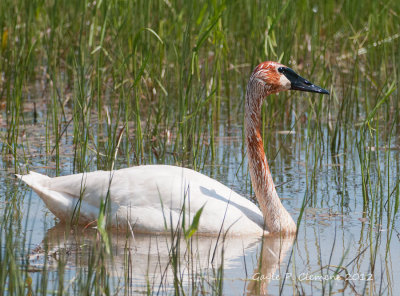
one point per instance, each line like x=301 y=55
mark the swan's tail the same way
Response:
x=61 y=204
x=34 y=180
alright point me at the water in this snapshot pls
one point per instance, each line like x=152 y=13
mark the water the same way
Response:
x=341 y=246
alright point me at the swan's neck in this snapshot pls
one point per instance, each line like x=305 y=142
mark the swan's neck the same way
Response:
x=276 y=218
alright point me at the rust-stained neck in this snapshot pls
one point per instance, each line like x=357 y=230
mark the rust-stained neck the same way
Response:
x=276 y=218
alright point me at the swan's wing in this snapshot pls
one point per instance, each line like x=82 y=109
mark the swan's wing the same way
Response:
x=149 y=196
x=137 y=186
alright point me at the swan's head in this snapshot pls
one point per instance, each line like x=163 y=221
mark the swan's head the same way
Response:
x=276 y=77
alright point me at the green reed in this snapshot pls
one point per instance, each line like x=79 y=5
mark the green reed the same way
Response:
x=132 y=82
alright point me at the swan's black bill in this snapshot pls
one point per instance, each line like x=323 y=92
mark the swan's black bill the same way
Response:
x=299 y=83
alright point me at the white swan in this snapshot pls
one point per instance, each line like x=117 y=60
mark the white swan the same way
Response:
x=151 y=198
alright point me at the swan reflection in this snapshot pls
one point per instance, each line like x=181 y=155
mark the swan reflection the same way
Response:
x=142 y=261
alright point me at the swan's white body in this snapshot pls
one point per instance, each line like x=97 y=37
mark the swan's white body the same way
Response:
x=156 y=198
x=136 y=194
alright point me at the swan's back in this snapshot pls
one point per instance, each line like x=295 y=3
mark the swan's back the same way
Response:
x=149 y=198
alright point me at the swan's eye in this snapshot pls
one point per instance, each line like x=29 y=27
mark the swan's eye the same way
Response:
x=281 y=69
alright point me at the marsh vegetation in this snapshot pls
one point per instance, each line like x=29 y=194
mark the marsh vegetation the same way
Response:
x=100 y=85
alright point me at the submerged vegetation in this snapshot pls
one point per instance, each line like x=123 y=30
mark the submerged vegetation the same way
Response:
x=90 y=85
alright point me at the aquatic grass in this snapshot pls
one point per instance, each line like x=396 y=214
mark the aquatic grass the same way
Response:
x=136 y=82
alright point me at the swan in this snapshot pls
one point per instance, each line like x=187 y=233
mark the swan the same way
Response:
x=157 y=198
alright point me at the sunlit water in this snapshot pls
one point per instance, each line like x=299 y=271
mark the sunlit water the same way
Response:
x=338 y=249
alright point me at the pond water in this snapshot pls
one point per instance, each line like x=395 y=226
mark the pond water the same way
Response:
x=340 y=248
